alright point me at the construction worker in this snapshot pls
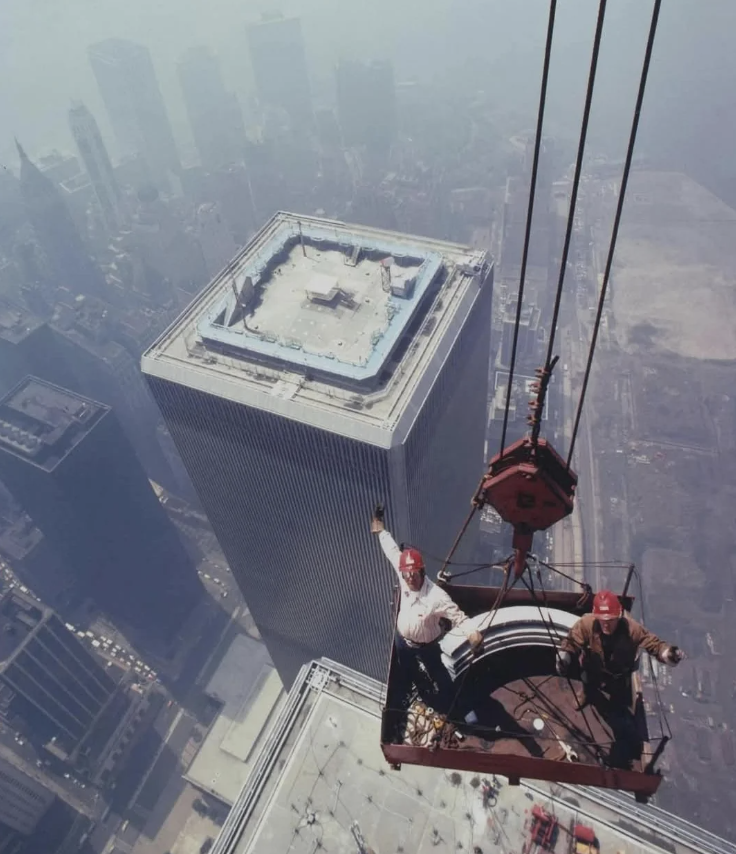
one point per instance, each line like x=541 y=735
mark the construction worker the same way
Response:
x=421 y=608
x=606 y=645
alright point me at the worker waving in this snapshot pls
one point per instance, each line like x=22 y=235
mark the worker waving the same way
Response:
x=422 y=606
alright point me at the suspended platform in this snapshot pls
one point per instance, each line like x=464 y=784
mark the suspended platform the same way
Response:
x=530 y=723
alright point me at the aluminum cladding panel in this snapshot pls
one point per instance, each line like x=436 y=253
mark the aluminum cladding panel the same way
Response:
x=290 y=505
x=444 y=449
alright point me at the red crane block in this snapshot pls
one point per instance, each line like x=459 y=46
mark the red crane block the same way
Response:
x=530 y=486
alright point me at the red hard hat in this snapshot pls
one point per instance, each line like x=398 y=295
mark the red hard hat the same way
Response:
x=607 y=605
x=411 y=560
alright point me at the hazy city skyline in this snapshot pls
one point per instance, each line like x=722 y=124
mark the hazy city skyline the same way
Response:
x=259 y=270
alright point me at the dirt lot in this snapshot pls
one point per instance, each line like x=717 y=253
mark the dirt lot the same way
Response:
x=674 y=276
x=673 y=360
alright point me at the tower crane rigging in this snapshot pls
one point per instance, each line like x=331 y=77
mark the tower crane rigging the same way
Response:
x=537 y=725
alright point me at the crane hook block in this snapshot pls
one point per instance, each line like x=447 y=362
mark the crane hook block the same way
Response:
x=529 y=485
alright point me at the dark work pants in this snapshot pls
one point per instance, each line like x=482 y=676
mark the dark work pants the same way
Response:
x=430 y=656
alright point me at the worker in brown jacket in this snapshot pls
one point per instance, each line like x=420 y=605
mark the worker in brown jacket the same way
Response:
x=606 y=645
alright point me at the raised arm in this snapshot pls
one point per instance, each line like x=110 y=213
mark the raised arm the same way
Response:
x=387 y=542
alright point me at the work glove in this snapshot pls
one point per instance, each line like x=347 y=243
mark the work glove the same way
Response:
x=563 y=662
x=377 y=520
x=674 y=655
x=475 y=641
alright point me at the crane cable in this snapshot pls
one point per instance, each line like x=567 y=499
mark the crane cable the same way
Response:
x=576 y=180
x=617 y=219
x=529 y=214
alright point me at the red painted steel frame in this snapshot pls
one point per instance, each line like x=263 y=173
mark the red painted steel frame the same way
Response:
x=474 y=600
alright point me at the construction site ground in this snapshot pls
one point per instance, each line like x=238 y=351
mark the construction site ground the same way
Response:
x=663 y=419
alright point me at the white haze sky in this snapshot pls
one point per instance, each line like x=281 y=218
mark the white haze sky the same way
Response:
x=495 y=45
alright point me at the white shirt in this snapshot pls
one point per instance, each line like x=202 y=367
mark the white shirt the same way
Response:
x=420 y=610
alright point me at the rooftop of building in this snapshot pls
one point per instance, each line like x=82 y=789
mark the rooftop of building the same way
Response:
x=251 y=694
x=19 y=616
x=321 y=782
x=41 y=423
x=15 y=324
x=522 y=392
x=18 y=539
x=327 y=323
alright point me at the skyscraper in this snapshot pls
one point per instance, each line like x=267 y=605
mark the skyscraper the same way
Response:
x=366 y=103
x=57 y=234
x=331 y=366
x=214 y=113
x=96 y=161
x=50 y=681
x=129 y=88
x=280 y=67
x=66 y=461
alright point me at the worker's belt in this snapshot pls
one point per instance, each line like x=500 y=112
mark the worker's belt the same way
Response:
x=416 y=645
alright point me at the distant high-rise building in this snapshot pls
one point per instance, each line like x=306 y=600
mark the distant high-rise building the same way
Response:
x=75 y=351
x=66 y=461
x=280 y=67
x=366 y=103
x=214 y=113
x=57 y=234
x=129 y=88
x=331 y=366
x=215 y=238
x=96 y=161
x=48 y=679
x=23 y=800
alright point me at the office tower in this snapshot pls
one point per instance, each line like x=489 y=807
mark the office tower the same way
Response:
x=66 y=461
x=280 y=67
x=75 y=351
x=49 y=680
x=96 y=161
x=366 y=104
x=23 y=800
x=331 y=366
x=215 y=238
x=69 y=262
x=214 y=113
x=129 y=88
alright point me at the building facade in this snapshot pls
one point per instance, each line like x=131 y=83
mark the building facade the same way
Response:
x=52 y=683
x=330 y=367
x=69 y=262
x=280 y=67
x=23 y=800
x=127 y=81
x=214 y=113
x=366 y=104
x=67 y=463
x=93 y=153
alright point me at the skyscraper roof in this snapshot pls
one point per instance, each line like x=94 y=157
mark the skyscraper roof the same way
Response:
x=321 y=783
x=326 y=323
x=43 y=423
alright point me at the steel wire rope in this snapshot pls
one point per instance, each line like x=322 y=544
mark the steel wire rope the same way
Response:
x=553 y=568
x=576 y=182
x=490 y=617
x=529 y=213
x=617 y=219
x=530 y=587
x=663 y=718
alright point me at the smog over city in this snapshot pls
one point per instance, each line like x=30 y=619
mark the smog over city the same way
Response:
x=367 y=427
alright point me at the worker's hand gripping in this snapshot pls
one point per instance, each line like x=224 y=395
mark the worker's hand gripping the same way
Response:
x=674 y=655
x=475 y=641
x=563 y=662
x=377 y=521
